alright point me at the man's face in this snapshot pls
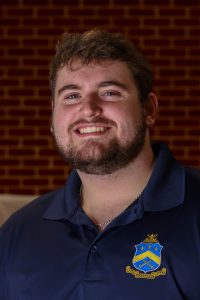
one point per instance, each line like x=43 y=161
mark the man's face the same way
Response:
x=98 y=122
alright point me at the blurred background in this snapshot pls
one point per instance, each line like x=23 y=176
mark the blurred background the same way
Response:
x=167 y=30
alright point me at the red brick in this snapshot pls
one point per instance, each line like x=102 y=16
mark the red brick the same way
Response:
x=9 y=162
x=44 y=92
x=172 y=132
x=43 y=73
x=187 y=122
x=36 y=2
x=195 y=93
x=22 y=52
x=187 y=2
x=142 y=12
x=32 y=182
x=195 y=12
x=50 y=12
x=21 y=112
x=21 y=132
x=144 y=32
x=190 y=142
x=9 y=42
x=36 y=22
x=195 y=132
x=52 y=172
x=18 y=31
x=9 y=2
x=49 y=152
x=195 y=73
x=187 y=62
x=22 y=152
x=46 y=52
x=35 y=42
x=111 y=11
x=21 y=92
x=9 y=62
x=187 y=22
x=126 y=22
x=156 y=42
x=195 y=113
x=157 y=2
x=101 y=2
x=39 y=103
x=22 y=191
x=81 y=12
x=156 y=22
x=36 y=82
x=35 y=62
x=186 y=103
x=172 y=12
x=37 y=162
x=195 y=32
x=54 y=31
x=172 y=32
x=9 y=182
x=9 y=122
x=188 y=82
x=8 y=142
x=172 y=72
x=9 y=82
x=19 y=72
x=9 y=22
x=35 y=142
x=35 y=122
x=59 y=182
x=9 y=103
x=69 y=2
x=16 y=11
x=21 y=172
x=98 y=22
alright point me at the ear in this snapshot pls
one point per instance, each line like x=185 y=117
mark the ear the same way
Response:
x=151 y=109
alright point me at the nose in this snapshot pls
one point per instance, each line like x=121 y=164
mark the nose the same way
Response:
x=91 y=106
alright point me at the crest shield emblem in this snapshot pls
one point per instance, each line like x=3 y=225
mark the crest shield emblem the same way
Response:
x=147 y=257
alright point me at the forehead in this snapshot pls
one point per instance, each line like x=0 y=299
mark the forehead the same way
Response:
x=94 y=72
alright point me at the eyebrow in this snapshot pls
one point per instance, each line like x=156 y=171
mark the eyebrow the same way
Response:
x=112 y=82
x=68 y=87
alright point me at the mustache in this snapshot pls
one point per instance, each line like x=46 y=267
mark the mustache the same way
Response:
x=102 y=121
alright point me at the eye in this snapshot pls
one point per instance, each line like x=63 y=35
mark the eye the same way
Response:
x=111 y=95
x=71 y=98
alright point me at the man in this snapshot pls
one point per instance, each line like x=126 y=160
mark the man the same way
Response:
x=126 y=224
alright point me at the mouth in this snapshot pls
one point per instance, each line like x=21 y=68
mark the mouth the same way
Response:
x=92 y=130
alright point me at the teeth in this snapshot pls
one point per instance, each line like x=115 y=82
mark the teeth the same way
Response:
x=92 y=129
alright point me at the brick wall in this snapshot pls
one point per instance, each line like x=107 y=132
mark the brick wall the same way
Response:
x=168 y=30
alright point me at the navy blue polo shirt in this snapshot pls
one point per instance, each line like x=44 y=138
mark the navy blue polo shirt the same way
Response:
x=51 y=250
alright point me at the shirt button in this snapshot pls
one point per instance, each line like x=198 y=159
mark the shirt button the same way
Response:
x=94 y=248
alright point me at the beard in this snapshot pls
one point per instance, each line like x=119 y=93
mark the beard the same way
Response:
x=103 y=159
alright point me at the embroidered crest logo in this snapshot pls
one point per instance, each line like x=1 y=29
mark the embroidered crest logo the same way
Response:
x=147 y=259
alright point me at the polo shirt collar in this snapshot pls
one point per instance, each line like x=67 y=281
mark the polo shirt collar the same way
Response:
x=165 y=189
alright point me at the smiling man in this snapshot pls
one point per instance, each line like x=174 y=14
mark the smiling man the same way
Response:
x=126 y=224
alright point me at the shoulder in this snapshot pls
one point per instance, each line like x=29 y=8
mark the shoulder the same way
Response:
x=32 y=211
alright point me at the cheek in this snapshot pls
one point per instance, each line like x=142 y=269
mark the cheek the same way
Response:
x=60 y=118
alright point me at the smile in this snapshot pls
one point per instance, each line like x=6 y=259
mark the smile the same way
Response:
x=92 y=129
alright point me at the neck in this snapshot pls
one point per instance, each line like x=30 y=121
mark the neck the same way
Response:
x=105 y=197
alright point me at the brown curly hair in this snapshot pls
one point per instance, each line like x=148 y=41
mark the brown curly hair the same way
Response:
x=96 y=45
